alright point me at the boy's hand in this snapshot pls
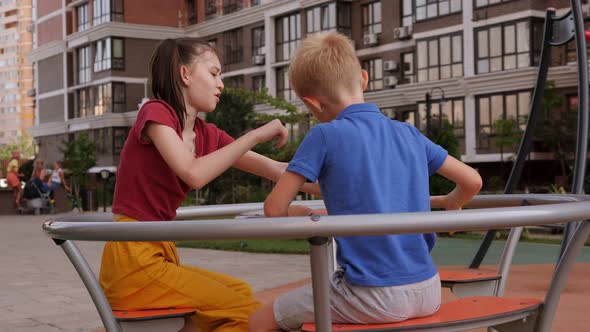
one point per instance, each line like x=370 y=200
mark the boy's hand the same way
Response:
x=299 y=211
x=445 y=203
x=272 y=130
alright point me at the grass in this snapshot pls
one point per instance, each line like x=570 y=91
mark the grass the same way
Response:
x=302 y=247
x=261 y=246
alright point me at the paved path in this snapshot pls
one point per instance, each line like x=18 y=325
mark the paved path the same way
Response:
x=40 y=290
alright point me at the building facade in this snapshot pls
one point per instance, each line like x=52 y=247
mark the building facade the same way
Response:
x=475 y=59
x=16 y=71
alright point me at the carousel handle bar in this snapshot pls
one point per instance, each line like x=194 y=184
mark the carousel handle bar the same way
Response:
x=328 y=226
x=318 y=228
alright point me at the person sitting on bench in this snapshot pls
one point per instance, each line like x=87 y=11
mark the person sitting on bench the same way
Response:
x=365 y=163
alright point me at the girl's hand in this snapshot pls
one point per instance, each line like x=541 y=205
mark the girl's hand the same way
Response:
x=299 y=211
x=272 y=130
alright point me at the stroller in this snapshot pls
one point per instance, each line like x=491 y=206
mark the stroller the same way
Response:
x=37 y=200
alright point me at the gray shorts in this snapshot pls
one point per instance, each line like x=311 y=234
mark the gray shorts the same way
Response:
x=360 y=304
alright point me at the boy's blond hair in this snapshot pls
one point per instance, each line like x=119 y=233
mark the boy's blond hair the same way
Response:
x=325 y=65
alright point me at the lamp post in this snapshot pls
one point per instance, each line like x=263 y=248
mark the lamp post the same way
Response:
x=104 y=174
x=429 y=101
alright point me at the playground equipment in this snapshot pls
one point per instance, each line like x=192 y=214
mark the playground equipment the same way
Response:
x=557 y=31
x=504 y=314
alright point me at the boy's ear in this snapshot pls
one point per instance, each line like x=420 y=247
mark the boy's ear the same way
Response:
x=313 y=104
x=364 y=79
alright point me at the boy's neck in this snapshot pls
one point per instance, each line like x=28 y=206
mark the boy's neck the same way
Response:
x=345 y=102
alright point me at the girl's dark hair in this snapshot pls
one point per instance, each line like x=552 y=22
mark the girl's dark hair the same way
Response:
x=164 y=69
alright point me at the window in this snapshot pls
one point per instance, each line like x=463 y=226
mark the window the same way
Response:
x=82 y=17
x=258 y=41
x=84 y=101
x=407 y=13
x=440 y=57
x=283 y=85
x=119 y=137
x=408 y=71
x=374 y=68
x=210 y=9
x=451 y=110
x=107 y=11
x=321 y=18
x=371 y=14
x=233 y=49
x=84 y=65
x=231 y=6
x=288 y=32
x=485 y=3
x=109 y=54
x=234 y=81
x=255 y=2
x=333 y=16
x=490 y=108
x=192 y=12
x=427 y=9
x=508 y=46
x=258 y=83
x=101 y=99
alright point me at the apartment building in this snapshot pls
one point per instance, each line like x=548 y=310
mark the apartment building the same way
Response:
x=475 y=59
x=16 y=71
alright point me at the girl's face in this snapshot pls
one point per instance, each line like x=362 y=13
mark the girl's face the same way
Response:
x=202 y=83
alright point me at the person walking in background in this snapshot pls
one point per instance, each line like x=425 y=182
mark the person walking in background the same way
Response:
x=365 y=163
x=13 y=178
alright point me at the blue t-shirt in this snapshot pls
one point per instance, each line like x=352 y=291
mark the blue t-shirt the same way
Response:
x=367 y=163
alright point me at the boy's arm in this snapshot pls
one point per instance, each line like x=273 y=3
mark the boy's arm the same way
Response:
x=467 y=180
x=278 y=201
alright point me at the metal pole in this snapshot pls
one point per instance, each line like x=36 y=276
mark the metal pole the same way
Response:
x=527 y=138
x=92 y=285
x=104 y=195
x=428 y=110
x=320 y=283
x=582 y=141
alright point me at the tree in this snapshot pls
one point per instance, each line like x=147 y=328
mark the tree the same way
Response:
x=507 y=134
x=23 y=143
x=79 y=157
x=235 y=115
x=557 y=129
x=444 y=135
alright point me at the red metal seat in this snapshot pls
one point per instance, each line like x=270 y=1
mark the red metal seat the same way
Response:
x=466 y=312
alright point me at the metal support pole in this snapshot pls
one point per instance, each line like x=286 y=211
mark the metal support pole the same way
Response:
x=92 y=285
x=428 y=111
x=320 y=283
x=582 y=141
x=527 y=138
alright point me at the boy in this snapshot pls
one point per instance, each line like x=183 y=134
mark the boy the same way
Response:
x=365 y=163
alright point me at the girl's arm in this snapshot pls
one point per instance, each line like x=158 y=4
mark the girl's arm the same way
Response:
x=265 y=167
x=278 y=201
x=468 y=183
x=197 y=172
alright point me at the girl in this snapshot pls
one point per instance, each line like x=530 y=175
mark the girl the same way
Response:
x=168 y=152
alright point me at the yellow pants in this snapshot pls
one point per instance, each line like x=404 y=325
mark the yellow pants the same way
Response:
x=148 y=275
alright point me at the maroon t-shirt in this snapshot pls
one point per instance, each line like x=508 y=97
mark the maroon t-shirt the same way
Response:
x=147 y=188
